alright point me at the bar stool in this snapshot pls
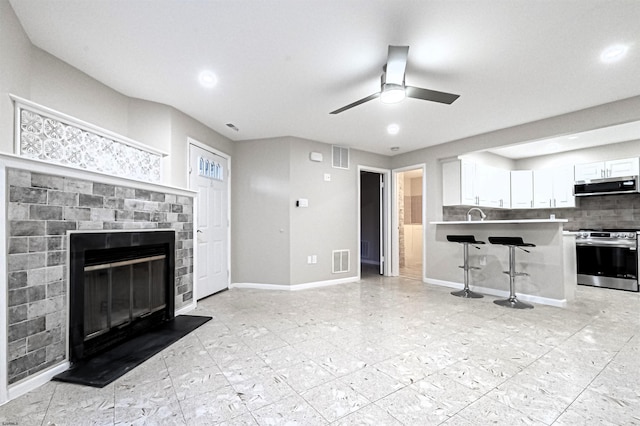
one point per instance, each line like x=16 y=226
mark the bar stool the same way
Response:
x=512 y=243
x=465 y=240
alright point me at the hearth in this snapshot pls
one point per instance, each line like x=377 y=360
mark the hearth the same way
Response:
x=121 y=285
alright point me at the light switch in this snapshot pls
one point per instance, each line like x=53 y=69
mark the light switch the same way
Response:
x=302 y=202
x=327 y=177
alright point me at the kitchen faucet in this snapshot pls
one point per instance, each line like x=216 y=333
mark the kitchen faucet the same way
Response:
x=482 y=215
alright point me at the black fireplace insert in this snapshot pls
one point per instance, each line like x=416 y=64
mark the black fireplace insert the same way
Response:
x=121 y=285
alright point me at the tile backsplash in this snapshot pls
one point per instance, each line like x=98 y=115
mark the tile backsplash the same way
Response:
x=593 y=212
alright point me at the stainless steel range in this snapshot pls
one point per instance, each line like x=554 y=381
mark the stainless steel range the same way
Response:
x=608 y=258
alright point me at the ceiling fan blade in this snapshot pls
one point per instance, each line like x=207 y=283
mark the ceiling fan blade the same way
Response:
x=396 y=64
x=356 y=103
x=431 y=95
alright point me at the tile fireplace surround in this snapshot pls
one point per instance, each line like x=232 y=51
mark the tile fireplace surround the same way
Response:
x=41 y=203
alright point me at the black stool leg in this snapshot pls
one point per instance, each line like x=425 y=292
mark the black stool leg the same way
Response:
x=512 y=301
x=465 y=292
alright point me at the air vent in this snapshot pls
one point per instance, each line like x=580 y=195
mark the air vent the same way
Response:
x=340 y=261
x=340 y=157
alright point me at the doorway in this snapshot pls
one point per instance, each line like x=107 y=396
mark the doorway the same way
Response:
x=209 y=176
x=373 y=217
x=409 y=209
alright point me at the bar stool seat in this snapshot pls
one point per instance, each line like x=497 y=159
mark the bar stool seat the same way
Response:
x=512 y=243
x=465 y=240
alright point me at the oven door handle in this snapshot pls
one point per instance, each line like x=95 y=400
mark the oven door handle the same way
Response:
x=631 y=245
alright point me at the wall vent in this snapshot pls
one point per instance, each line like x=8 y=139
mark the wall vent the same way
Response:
x=364 y=249
x=340 y=156
x=340 y=261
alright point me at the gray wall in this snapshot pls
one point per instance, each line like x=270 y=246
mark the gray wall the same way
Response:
x=15 y=70
x=272 y=238
x=260 y=227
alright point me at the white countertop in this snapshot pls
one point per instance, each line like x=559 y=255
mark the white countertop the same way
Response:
x=513 y=221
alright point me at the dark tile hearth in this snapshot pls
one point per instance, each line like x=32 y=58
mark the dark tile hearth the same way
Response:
x=104 y=368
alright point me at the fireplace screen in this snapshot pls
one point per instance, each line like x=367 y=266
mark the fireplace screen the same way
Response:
x=122 y=284
x=117 y=293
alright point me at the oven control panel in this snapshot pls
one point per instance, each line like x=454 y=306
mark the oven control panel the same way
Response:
x=627 y=235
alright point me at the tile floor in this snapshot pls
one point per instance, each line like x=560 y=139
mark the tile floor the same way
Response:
x=384 y=351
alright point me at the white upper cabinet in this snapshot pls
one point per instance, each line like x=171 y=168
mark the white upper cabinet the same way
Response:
x=605 y=169
x=622 y=168
x=459 y=185
x=521 y=189
x=495 y=186
x=470 y=184
x=553 y=187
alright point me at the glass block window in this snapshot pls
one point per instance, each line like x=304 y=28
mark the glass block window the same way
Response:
x=44 y=134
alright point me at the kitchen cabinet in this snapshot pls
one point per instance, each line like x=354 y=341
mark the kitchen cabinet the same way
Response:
x=605 y=169
x=495 y=187
x=458 y=183
x=553 y=187
x=471 y=184
x=521 y=189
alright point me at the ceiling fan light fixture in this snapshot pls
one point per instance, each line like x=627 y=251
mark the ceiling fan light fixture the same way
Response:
x=392 y=93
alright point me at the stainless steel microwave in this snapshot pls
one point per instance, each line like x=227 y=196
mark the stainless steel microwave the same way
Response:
x=617 y=185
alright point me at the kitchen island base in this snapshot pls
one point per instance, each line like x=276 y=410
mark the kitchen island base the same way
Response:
x=550 y=267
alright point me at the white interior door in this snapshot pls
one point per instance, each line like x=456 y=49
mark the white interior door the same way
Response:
x=210 y=178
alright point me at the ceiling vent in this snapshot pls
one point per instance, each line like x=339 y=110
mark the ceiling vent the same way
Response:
x=340 y=156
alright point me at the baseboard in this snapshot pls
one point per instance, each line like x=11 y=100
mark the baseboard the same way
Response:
x=295 y=287
x=560 y=303
x=370 y=262
x=37 y=380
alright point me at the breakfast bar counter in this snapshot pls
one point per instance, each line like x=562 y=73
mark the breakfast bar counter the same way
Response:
x=550 y=265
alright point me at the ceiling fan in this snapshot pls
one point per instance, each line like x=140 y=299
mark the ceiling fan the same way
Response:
x=392 y=87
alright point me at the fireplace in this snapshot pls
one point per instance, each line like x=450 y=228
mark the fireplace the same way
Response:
x=121 y=285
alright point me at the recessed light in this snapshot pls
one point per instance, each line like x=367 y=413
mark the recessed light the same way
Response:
x=208 y=79
x=552 y=147
x=393 y=129
x=613 y=53
x=395 y=148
